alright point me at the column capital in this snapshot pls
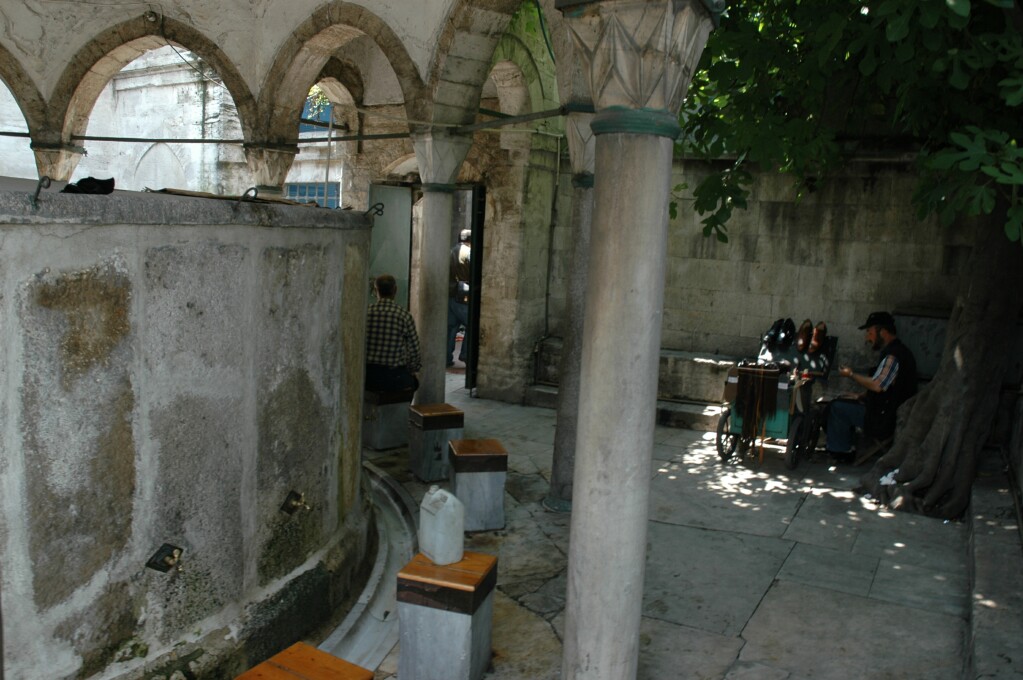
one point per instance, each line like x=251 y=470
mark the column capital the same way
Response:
x=56 y=160
x=581 y=144
x=269 y=163
x=639 y=54
x=439 y=154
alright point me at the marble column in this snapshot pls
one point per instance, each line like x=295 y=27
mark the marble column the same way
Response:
x=640 y=55
x=440 y=157
x=269 y=165
x=581 y=150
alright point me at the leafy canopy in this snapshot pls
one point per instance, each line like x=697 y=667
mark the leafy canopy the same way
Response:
x=801 y=85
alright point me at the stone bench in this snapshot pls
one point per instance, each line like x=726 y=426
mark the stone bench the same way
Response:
x=445 y=617
x=479 y=469
x=431 y=427
x=305 y=661
x=385 y=418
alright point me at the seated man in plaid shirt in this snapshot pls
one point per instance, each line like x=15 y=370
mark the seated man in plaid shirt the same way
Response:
x=392 y=345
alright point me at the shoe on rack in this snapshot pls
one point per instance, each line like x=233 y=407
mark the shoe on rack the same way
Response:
x=803 y=335
x=820 y=336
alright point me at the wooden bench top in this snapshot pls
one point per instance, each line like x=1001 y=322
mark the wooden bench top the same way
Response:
x=459 y=587
x=477 y=447
x=436 y=416
x=304 y=662
x=477 y=455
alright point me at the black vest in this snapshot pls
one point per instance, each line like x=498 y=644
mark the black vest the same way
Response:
x=881 y=406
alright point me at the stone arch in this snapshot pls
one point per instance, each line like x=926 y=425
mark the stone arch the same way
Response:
x=306 y=54
x=26 y=95
x=106 y=54
x=515 y=69
x=457 y=78
x=159 y=166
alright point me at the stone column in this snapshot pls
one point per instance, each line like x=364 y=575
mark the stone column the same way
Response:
x=440 y=157
x=581 y=150
x=269 y=164
x=640 y=55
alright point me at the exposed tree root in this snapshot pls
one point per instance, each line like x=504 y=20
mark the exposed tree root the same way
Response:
x=943 y=430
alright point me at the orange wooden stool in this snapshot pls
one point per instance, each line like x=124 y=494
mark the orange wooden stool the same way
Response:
x=304 y=662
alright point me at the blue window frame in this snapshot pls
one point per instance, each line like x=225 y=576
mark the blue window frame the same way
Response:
x=325 y=195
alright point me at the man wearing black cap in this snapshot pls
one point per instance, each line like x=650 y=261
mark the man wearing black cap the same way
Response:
x=892 y=383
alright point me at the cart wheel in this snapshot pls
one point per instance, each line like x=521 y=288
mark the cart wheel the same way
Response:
x=793 y=445
x=726 y=441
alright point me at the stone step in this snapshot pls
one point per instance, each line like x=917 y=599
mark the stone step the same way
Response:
x=688 y=415
x=682 y=376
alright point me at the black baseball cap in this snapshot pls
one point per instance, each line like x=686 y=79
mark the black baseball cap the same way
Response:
x=882 y=319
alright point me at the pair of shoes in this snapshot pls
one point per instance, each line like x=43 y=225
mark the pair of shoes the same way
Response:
x=803 y=335
x=781 y=334
x=842 y=456
x=820 y=337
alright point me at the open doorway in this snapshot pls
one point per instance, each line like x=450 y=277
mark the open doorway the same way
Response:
x=391 y=252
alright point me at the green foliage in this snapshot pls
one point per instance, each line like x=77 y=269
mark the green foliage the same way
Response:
x=318 y=101
x=800 y=85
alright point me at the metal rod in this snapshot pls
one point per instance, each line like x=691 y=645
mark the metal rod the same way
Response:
x=525 y=118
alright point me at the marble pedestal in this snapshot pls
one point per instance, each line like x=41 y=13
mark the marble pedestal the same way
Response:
x=385 y=419
x=445 y=617
x=431 y=427
x=479 y=468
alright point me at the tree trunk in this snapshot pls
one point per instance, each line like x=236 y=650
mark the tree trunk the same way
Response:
x=946 y=425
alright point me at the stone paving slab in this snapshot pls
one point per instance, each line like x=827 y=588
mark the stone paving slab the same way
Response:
x=710 y=580
x=828 y=635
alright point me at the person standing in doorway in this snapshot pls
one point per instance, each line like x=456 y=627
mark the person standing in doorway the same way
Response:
x=458 y=296
x=392 y=344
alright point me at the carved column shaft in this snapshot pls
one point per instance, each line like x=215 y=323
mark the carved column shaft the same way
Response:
x=640 y=56
x=581 y=151
x=440 y=157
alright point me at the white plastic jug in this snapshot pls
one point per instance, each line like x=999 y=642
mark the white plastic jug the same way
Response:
x=441 y=526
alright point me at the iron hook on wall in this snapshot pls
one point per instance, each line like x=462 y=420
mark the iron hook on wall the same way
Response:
x=43 y=183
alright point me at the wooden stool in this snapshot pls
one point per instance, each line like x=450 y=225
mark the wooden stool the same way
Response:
x=479 y=468
x=431 y=427
x=384 y=416
x=445 y=617
x=305 y=661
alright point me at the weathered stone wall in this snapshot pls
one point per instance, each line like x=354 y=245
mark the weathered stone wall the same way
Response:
x=835 y=255
x=172 y=369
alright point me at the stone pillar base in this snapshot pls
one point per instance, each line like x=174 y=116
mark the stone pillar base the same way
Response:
x=431 y=427
x=479 y=468
x=385 y=419
x=445 y=617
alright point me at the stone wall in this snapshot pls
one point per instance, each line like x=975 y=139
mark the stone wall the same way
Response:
x=837 y=254
x=173 y=368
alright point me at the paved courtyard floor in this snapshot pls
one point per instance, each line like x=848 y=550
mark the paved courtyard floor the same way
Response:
x=752 y=571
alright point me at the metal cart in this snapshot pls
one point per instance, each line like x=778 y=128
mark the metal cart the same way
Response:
x=774 y=401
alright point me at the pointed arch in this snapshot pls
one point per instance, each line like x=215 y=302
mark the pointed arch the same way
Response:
x=29 y=100
x=107 y=53
x=461 y=64
x=309 y=50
